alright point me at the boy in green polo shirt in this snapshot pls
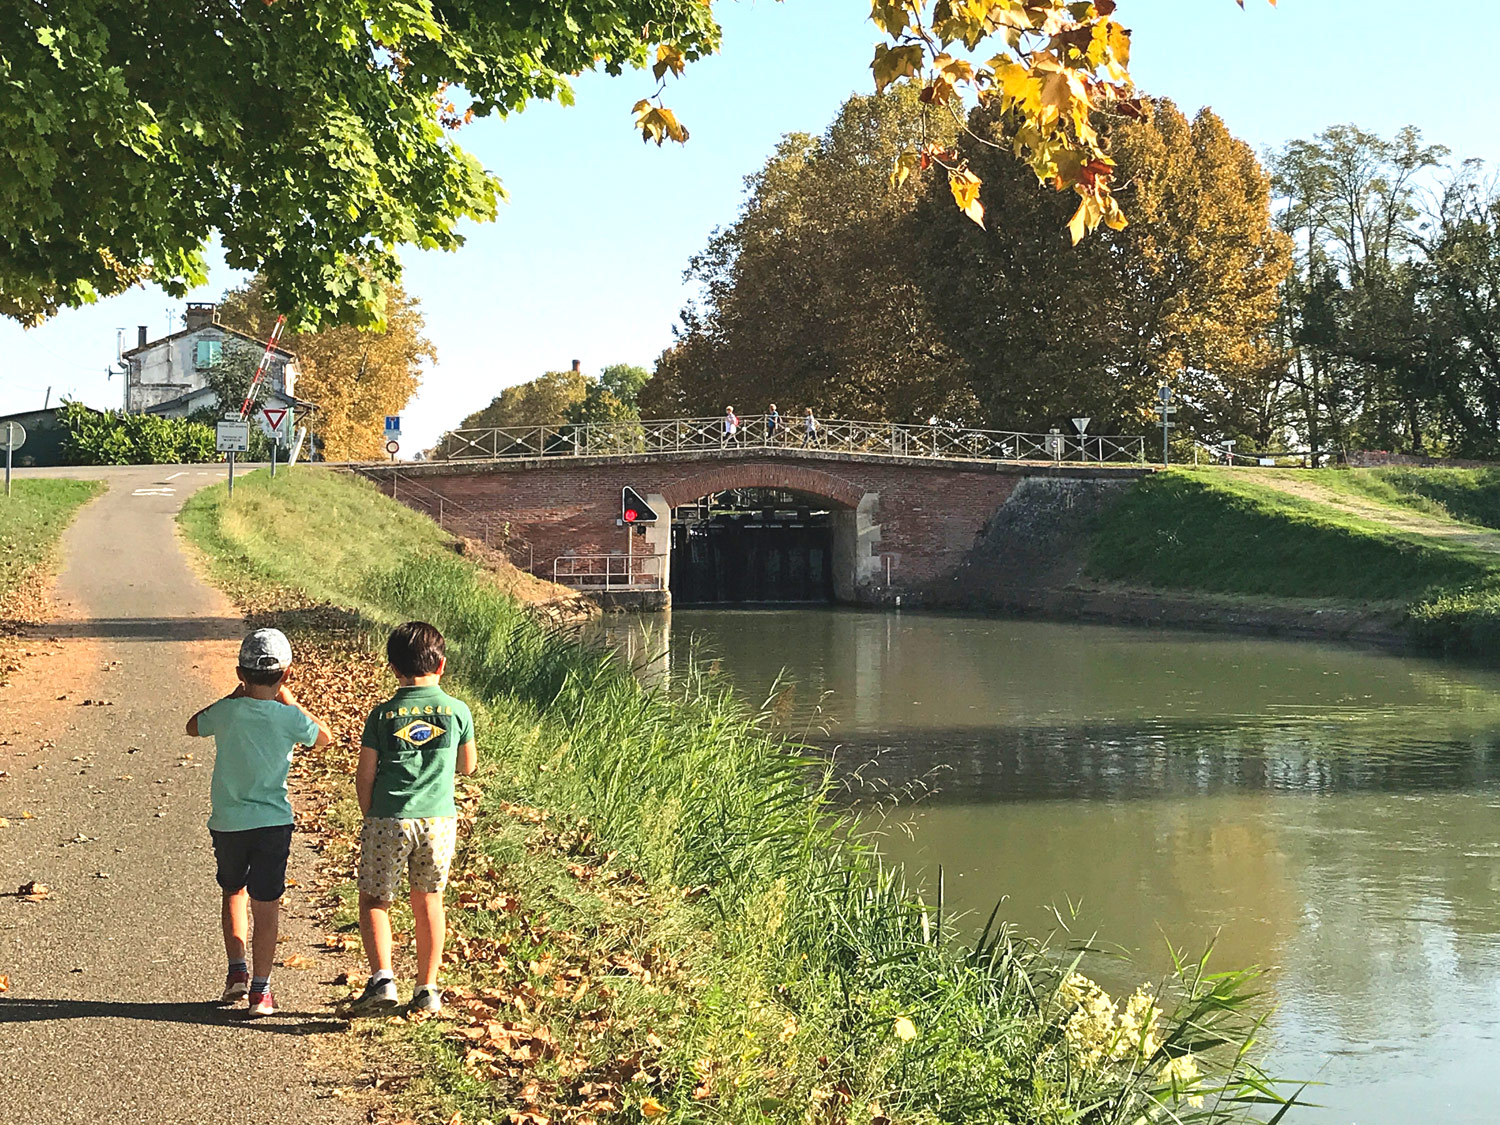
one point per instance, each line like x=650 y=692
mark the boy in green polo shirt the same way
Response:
x=413 y=745
x=255 y=730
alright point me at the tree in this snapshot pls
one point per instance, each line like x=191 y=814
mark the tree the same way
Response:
x=839 y=289
x=1351 y=310
x=314 y=140
x=809 y=298
x=354 y=377
x=613 y=397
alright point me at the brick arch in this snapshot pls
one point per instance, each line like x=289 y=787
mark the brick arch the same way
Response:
x=791 y=477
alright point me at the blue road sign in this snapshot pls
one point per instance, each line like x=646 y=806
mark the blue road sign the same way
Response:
x=393 y=424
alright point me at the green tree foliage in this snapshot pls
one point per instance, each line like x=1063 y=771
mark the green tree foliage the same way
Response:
x=1353 y=309
x=613 y=397
x=855 y=294
x=112 y=437
x=315 y=139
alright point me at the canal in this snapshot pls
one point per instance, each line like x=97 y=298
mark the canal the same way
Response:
x=1327 y=813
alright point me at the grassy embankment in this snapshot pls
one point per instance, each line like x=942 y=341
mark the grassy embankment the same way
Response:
x=657 y=909
x=32 y=520
x=1421 y=543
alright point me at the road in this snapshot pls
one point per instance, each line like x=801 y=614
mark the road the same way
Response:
x=109 y=1015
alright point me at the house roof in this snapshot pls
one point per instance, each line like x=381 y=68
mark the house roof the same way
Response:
x=299 y=404
x=194 y=331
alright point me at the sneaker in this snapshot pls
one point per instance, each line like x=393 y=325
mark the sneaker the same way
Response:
x=427 y=998
x=378 y=996
x=262 y=1003
x=236 y=986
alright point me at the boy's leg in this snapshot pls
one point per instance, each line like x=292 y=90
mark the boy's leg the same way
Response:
x=375 y=931
x=431 y=859
x=236 y=918
x=263 y=944
x=431 y=926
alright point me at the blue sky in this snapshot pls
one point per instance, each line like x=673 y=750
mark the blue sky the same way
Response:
x=586 y=260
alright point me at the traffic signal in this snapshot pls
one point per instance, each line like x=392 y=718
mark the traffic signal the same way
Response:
x=633 y=509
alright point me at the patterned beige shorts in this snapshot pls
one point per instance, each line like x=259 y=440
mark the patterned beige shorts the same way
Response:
x=423 y=847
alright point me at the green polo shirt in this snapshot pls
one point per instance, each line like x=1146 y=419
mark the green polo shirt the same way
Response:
x=253 y=743
x=416 y=735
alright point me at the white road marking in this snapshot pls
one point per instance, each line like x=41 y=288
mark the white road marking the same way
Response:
x=162 y=491
x=174 y=476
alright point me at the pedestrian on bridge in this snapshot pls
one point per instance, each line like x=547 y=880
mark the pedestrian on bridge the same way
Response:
x=773 y=423
x=731 y=425
x=809 y=429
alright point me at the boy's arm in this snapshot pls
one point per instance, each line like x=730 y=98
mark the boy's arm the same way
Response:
x=325 y=736
x=192 y=724
x=364 y=779
x=468 y=758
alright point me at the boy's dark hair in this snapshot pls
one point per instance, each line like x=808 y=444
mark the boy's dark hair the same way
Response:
x=263 y=677
x=415 y=649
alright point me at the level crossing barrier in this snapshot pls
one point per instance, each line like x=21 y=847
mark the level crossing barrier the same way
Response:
x=677 y=435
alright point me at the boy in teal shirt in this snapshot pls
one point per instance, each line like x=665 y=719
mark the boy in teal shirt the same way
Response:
x=255 y=730
x=413 y=745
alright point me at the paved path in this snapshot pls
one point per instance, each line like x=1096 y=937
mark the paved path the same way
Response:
x=1396 y=518
x=107 y=1018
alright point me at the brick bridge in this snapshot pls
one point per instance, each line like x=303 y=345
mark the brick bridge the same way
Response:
x=901 y=525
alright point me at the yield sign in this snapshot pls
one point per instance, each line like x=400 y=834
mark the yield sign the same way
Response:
x=274 y=418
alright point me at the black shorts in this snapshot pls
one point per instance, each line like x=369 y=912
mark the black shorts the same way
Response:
x=254 y=860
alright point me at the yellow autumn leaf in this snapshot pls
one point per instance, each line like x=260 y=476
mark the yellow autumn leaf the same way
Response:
x=652 y=1108
x=965 y=187
x=906 y=164
x=904 y=1029
x=894 y=63
x=668 y=57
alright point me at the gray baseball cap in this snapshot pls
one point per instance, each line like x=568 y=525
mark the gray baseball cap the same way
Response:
x=265 y=650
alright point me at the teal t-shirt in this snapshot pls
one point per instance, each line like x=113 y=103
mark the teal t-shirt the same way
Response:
x=416 y=735
x=253 y=744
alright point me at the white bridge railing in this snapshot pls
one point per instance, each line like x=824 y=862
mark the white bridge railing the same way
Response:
x=608 y=572
x=674 y=435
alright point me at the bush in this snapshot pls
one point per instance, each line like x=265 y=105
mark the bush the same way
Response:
x=113 y=437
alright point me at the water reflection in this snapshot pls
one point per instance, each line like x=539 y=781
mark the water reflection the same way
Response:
x=1328 y=813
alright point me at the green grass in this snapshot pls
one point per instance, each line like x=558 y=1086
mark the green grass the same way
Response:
x=1222 y=532
x=1468 y=495
x=32 y=520
x=804 y=955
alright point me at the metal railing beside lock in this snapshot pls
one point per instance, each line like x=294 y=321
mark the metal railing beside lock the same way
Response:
x=889 y=439
x=604 y=573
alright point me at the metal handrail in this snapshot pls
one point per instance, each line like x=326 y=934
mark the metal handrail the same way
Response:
x=441 y=508
x=608 y=572
x=889 y=439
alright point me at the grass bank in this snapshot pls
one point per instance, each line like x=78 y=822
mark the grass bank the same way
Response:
x=659 y=912
x=1414 y=541
x=32 y=520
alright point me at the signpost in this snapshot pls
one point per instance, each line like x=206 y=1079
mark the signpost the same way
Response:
x=1082 y=425
x=14 y=437
x=275 y=421
x=233 y=436
x=393 y=434
x=1167 y=410
x=393 y=448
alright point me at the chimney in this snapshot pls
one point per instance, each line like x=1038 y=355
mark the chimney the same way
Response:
x=578 y=365
x=200 y=314
x=140 y=335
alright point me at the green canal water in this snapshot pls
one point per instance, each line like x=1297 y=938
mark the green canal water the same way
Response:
x=1329 y=814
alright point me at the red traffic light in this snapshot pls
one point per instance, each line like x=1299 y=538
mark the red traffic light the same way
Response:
x=634 y=509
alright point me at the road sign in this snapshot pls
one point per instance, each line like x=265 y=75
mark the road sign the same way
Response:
x=233 y=437
x=1082 y=424
x=271 y=420
x=634 y=509
x=392 y=426
x=12 y=436
x=393 y=447
x=1165 y=393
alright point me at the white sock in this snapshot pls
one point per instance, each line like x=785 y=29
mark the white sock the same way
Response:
x=380 y=975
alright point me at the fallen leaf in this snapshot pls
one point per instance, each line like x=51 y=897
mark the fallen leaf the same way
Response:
x=298 y=961
x=652 y=1108
x=904 y=1029
x=4 y=983
x=33 y=891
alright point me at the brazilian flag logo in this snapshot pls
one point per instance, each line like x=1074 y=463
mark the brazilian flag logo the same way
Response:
x=419 y=733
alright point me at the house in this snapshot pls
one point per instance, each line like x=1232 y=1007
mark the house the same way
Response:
x=169 y=376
